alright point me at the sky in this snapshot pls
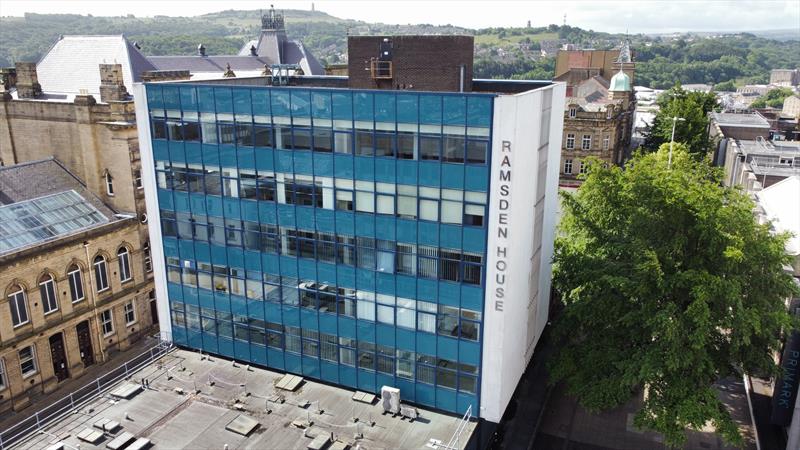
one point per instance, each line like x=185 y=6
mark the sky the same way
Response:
x=642 y=16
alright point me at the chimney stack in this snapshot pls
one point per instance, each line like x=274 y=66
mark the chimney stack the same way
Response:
x=27 y=81
x=201 y=50
x=112 y=87
x=253 y=51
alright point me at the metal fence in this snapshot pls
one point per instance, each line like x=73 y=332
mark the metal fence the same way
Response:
x=455 y=440
x=36 y=423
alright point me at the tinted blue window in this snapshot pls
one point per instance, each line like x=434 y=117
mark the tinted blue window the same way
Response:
x=205 y=98
x=342 y=106
x=301 y=104
x=385 y=107
x=172 y=97
x=260 y=99
x=407 y=108
x=188 y=98
x=479 y=111
x=154 y=98
x=455 y=110
x=321 y=105
x=224 y=100
x=363 y=106
x=281 y=103
x=241 y=101
x=430 y=109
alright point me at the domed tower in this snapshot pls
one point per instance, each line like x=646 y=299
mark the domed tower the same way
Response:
x=620 y=88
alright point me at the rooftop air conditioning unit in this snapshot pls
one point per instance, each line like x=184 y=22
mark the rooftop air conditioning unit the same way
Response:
x=390 y=399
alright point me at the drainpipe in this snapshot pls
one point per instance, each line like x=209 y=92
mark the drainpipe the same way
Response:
x=461 y=78
x=94 y=302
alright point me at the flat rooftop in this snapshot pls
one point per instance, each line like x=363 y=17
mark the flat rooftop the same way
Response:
x=341 y=82
x=194 y=400
x=740 y=120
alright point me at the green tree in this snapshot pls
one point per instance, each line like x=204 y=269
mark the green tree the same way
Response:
x=693 y=107
x=725 y=86
x=773 y=98
x=669 y=285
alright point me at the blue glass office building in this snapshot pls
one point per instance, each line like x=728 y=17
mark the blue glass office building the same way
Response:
x=338 y=234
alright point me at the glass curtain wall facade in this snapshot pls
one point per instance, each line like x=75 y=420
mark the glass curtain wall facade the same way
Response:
x=333 y=233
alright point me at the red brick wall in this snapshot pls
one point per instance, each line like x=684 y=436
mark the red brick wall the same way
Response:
x=426 y=63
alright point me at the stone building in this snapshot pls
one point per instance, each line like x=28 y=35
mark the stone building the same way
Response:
x=93 y=135
x=599 y=110
x=784 y=77
x=791 y=107
x=75 y=111
x=76 y=283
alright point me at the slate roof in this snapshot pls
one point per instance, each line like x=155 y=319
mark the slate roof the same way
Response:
x=199 y=63
x=72 y=63
x=591 y=94
x=290 y=52
x=50 y=177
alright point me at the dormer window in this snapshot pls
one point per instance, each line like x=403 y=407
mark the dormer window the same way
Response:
x=573 y=111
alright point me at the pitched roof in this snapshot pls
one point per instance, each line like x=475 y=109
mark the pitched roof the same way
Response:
x=293 y=53
x=197 y=63
x=72 y=63
x=56 y=205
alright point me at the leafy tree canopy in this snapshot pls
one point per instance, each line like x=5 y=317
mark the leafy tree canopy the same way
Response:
x=773 y=98
x=693 y=107
x=669 y=284
x=725 y=86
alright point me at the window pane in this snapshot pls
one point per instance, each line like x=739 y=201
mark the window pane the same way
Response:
x=364 y=143
x=262 y=136
x=451 y=212
x=429 y=210
x=453 y=150
x=384 y=144
x=302 y=139
x=365 y=202
x=385 y=204
x=476 y=152
x=323 y=140
x=429 y=147
x=226 y=133
x=344 y=143
x=405 y=145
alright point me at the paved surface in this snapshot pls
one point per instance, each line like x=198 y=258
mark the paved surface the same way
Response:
x=41 y=400
x=197 y=420
x=543 y=418
x=770 y=436
x=567 y=425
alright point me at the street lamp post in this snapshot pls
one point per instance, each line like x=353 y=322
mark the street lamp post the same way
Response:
x=675 y=120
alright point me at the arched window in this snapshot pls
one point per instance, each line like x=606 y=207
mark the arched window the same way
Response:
x=47 y=288
x=100 y=273
x=148 y=261
x=75 y=283
x=123 y=258
x=109 y=183
x=18 y=305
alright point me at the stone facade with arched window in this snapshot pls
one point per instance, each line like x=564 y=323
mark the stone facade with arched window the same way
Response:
x=50 y=310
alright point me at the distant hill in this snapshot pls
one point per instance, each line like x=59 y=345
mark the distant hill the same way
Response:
x=525 y=52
